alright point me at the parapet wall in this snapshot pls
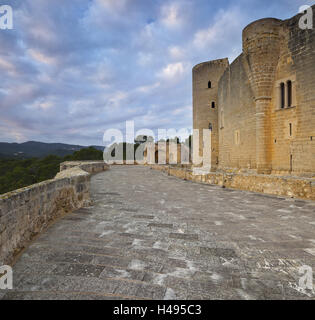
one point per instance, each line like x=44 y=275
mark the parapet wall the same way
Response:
x=88 y=166
x=288 y=186
x=26 y=212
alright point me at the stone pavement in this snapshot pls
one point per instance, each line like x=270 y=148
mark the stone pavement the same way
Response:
x=151 y=236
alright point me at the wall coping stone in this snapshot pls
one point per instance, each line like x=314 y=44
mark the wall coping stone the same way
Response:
x=290 y=186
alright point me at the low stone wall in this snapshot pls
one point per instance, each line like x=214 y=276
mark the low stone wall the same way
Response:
x=88 y=166
x=25 y=212
x=289 y=186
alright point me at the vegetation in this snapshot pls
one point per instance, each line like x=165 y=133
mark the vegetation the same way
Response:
x=35 y=149
x=85 y=154
x=15 y=173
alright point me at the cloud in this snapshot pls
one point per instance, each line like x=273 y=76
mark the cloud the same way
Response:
x=117 y=99
x=224 y=31
x=171 y=16
x=144 y=59
x=148 y=88
x=176 y=52
x=72 y=69
x=46 y=105
x=173 y=71
x=183 y=110
x=112 y=6
x=41 y=57
x=7 y=66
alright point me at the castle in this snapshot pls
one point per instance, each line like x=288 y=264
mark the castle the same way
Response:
x=260 y=108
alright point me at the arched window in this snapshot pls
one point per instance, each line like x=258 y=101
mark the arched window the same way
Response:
x=282 y=95
x=289 y=87
x=209 y=84
x=213 y=105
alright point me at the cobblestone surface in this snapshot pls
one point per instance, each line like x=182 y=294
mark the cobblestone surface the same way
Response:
x=151 y=236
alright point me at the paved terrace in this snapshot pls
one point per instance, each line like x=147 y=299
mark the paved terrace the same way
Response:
x=150 y=236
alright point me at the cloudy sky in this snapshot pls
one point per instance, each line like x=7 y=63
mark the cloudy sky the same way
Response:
x=72 y=69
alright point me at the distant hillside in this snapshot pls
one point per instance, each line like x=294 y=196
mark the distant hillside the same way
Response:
x=18 y=173
x=36 y=149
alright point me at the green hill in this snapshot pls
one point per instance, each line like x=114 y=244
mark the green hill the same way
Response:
x=19 y=173
x=36 y=149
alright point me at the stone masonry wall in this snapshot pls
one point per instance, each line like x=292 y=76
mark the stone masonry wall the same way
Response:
x=288 y=186
x=205 y=103
x=25 y=212
x=254 y=131
x=88 y=166
x=236 y=117
x=296 y=151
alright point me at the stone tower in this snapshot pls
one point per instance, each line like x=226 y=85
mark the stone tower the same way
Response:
x=260 y=107
x=261 y=49
x=206 y=77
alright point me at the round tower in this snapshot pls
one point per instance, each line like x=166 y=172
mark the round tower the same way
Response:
x=261 y=49
x=206 y=77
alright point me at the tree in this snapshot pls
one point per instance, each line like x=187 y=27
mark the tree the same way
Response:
x=15 y=174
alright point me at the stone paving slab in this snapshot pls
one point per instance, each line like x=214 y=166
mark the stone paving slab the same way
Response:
x=152 y=236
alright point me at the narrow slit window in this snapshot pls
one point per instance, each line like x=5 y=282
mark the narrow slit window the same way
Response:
x=210 y=126
x=282 y=95
x=290 y=129
x=209 y=84
x=212 y=104
x=222 y=119
x=289 y=87
x=237 y=137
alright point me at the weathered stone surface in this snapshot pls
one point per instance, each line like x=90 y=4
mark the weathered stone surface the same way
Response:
x=24 y=213
x=289 y=186
x=261 y=105
x=218 y=250
x=88 y=166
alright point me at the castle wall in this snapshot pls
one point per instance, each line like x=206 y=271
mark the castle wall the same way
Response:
x=288 y=186
x=295 y=151
x=203 y=97
x=237 y=127
x=255 y=131
x=261 y=48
